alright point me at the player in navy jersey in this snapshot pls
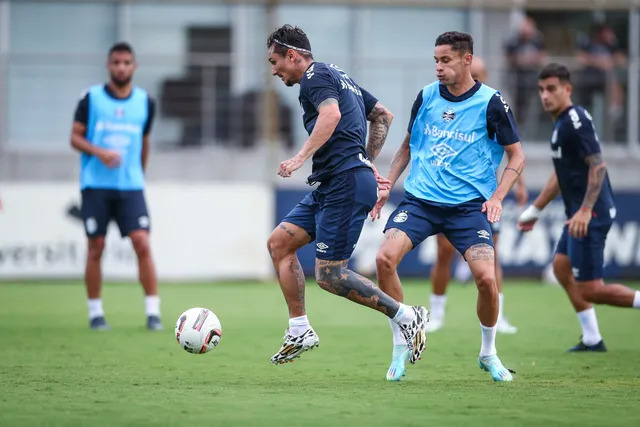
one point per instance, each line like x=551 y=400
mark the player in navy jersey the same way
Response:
x=441 y=270
x=581 y=178
x=335 y=114
x=457 y=135
x=111 y=131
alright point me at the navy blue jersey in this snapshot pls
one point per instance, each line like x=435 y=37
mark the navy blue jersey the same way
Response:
x=574 y=138
x=345 y=149
x=501 y=126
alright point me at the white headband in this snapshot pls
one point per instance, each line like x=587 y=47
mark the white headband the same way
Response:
x=291 y=47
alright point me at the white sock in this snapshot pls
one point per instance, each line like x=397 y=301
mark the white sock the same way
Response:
x=500 y=305
x=437 y=303
x=589 y=323
x=404 y=315
x=152 y=305
x=636 y=300
x=298 y=325
x=398 y=338
x=488 y=340
x=95 y=308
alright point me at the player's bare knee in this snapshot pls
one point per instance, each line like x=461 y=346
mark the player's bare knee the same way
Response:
x=140 y=243
x=277 y=246
x=486 y=282
x=328 y=274
x=96 y=248
x=590 y=291
x=385 y=262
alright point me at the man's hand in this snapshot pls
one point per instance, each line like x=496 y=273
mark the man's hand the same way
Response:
x=383 y=196
x=493 y=209
x=109 y=158
x=383 y=183
x=579 y=223
x=528 y=218
x=288 y=166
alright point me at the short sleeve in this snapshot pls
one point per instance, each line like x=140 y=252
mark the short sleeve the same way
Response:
x=318 y=86
x=585 y=135
x=370 y=101
x=414 y=110
x=500 y=122
x=82 y=109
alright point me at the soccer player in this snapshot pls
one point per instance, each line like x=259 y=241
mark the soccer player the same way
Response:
x=335 y=114
x=581 y=178
x=441 y=270
x=457 y=135
x=111 y=131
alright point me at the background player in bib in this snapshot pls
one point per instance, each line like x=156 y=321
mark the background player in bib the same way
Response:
x=441 y=270
x=335 y=114
x=581 y=178
x=111 y=129
x=457 y=135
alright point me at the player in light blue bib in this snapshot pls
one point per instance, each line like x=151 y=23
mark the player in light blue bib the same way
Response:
x=457 y=135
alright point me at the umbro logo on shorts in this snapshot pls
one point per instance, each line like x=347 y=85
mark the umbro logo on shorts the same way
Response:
x=484 y=234
x=322 y=247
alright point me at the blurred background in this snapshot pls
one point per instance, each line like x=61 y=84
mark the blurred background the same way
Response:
x=223 y=123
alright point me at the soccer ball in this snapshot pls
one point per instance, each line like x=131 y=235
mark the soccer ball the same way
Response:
x=198 y=330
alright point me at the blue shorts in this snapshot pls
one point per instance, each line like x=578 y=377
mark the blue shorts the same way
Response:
x=334 y=213
x=464 y=225
x=127 y=208
x=586 y=255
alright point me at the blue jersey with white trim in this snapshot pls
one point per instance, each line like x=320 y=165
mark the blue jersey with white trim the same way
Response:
x=345 y=149
x=457 y=143
x=574 y=139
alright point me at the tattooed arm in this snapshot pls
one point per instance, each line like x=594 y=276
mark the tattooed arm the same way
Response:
x=380 y=119
x=579 y=223
x=398 y=165
x=597 y=172
x=328 y=118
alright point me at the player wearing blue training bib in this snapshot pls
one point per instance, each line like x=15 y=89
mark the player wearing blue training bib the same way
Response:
x=335 y=114
x=580 y=176
x=111 y=130
x=457 y=135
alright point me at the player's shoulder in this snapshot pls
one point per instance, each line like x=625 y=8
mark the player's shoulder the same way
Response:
x=577 y=117
x=317 y=71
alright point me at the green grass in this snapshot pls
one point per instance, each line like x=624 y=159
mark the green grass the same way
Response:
x=55 y=371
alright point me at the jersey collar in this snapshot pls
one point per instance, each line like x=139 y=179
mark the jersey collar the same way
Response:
x=444 y=92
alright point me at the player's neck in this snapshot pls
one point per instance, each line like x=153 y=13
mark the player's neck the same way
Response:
x=302 y=68
x=121 y=91
x=462 y=87
x=561 y=110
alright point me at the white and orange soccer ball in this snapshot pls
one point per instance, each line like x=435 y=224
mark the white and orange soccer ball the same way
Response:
x=198 y=330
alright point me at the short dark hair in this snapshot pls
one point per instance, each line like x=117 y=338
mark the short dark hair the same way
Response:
x=290 y=37
x=459 y=41
x=121 y=47
x=555 y=70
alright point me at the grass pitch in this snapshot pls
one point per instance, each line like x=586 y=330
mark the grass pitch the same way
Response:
x=55 y=371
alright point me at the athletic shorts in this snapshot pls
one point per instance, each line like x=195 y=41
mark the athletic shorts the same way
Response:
x=334 y=213
x=127 y=208
x=464 y=225
x=586 y=255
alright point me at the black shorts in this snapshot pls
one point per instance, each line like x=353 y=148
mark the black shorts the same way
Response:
x=127 y=208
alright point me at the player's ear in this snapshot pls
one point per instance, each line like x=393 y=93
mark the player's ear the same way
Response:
x=468 y=58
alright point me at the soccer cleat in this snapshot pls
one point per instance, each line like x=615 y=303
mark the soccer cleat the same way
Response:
x=415 y=333
x=599 y=347
x=504 y=327
x=435 y=323
x=99 y=324
x=293 y=346
x=493 y=365
x=154 y=323
x=398 y=360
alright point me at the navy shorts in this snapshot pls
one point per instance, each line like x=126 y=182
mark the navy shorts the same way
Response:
x=127 y=208
x=464 y=225
x=334 y=213
x=586 y=255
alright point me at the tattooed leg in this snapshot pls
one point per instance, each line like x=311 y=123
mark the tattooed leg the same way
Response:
x=335 y=277
x=482 y=265
x=283 y=243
